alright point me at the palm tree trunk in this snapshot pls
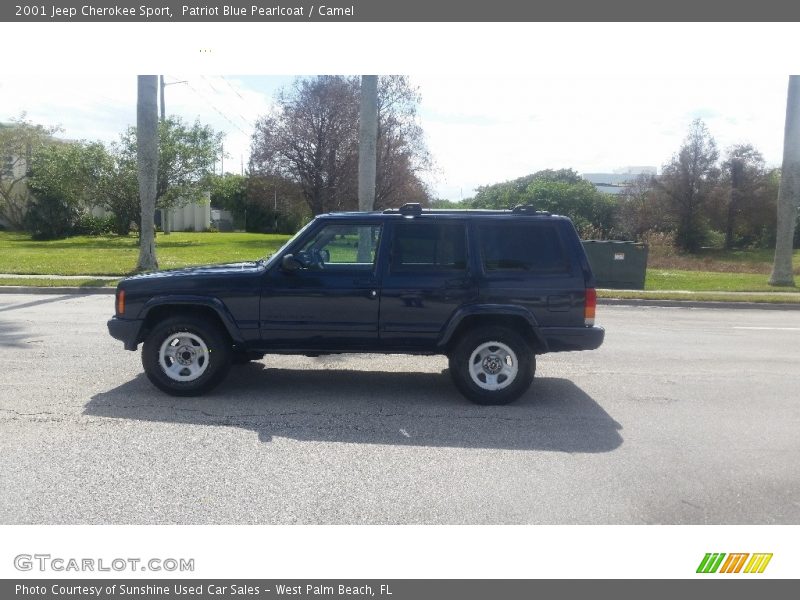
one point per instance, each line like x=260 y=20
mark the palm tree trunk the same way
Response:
x=147 y=159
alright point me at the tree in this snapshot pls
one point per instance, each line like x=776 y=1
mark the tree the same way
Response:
x=186 y=156
x=19 y=140
x=148 y=163
x=64 y=181
x=118 y=190
x=402 y=156
x=687 y=182
x=638 y=209
x=229 y=192
x=560 y=191
x=275 y=205
x=789 y=191
x=312 y=139
x=745 y=174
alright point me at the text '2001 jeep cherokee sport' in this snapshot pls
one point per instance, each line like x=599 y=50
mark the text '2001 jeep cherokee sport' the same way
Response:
x=489 y=289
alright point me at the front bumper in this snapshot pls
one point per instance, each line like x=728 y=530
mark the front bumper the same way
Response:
x=125 y=330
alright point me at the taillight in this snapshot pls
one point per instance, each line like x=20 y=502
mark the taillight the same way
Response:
x=120 y=302
x=589 y=307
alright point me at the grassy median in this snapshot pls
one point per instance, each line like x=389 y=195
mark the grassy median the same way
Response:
x=115 y=255
x=710 y=271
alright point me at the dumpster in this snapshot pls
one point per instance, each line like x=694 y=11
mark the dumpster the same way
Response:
x=617 y=265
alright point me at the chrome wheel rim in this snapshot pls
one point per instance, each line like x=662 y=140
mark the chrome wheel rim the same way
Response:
x=493 y=366
x=183 y=356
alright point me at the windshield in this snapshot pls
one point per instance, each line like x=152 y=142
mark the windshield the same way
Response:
x=268 y=259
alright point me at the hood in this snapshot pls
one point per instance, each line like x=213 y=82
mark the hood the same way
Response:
x=203 y=270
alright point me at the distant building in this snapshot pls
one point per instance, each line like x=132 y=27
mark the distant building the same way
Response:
x=618 y=181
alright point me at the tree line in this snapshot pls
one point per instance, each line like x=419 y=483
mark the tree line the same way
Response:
x=701 y=198
x=304 y=161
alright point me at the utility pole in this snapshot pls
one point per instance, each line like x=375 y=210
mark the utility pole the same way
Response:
x=367 y=142
x=367 y=159
x=789 y=189
x=147 y=164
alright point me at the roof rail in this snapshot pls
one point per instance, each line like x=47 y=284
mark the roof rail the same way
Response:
x=413 y=209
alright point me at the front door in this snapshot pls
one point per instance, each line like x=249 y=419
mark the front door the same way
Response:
x=332 y=300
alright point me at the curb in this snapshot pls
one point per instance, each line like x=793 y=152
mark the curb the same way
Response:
x=698 y=304
x=83 y=291
x=80 y=291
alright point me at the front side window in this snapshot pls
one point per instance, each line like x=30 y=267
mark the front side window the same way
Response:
x=423 y=247
x=342 y=247
x=522 y=247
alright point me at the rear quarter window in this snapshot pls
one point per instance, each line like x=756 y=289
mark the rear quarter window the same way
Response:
x=522 y=247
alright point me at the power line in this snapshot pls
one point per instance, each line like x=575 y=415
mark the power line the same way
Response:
x=235 y=91
x=218 y=111
x=211 y=85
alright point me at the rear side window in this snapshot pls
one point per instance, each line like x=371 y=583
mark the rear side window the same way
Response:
x=531 y=247
x=434 y=247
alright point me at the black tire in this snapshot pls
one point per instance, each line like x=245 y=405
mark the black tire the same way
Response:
x=503 y=339
x=214 y=364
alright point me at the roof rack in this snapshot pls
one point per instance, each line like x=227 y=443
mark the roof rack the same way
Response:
x=411 y=209
x=414 y=209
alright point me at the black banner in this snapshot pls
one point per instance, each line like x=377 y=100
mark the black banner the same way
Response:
x=276 y=11
x=733 y=588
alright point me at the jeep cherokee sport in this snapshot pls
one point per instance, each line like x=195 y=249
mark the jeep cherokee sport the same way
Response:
x=489 y=289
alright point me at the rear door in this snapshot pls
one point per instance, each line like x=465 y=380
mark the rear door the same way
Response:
x=427 y=278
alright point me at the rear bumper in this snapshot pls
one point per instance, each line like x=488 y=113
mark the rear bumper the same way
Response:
x=565 y=339
x=125 y=330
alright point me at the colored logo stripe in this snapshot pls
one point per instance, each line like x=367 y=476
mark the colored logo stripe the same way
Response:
x=710 y=563
x=733 y=564
x=758 y=563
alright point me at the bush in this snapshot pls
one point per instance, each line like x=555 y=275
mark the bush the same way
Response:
x=261 y=219
x=50 y=217
x=90 y=225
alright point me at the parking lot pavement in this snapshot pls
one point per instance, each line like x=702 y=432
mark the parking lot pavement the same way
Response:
x=683 y=416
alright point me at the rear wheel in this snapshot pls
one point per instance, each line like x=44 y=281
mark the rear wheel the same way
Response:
x=186 y=356
x=492 y=365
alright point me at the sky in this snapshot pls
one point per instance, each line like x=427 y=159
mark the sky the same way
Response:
x=480 y=129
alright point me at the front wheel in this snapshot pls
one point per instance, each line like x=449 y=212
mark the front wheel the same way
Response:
x=186 y=356
x=492 y=365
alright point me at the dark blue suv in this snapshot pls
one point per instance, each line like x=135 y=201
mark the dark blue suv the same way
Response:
x=489 y=289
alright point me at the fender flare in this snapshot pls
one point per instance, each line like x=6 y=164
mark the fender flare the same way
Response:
x=491 y=310
x=211 y=302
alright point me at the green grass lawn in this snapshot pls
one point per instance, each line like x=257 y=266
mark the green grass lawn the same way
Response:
x=84 y=283
x=114 y=255
x=705 y=281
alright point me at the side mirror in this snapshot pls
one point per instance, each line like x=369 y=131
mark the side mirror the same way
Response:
x=290 y=264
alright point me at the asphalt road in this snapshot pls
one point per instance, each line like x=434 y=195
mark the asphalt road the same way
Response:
x=683 y=416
